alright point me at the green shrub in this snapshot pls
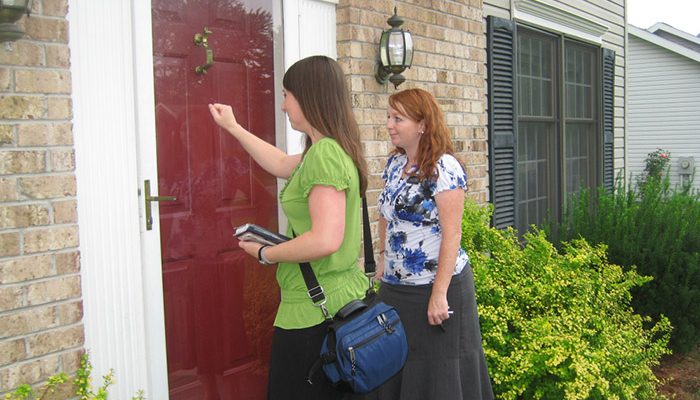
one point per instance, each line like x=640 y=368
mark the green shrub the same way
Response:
x=82 y=386
x=656 y=229
x=559 y=325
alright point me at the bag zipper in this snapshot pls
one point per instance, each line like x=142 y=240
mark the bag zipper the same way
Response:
x=387 y=328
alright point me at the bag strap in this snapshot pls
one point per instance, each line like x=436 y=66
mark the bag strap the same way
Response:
x=314 y=289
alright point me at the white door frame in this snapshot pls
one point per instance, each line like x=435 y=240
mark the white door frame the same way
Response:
x=115 y=146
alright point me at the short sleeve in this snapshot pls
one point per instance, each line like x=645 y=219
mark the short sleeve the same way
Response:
x=327 y=164
x=451 y=175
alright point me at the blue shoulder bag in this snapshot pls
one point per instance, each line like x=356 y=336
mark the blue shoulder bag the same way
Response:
x=366 y=343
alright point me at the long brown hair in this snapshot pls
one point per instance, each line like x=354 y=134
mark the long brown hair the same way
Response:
x=420 y=105
x=318 y=84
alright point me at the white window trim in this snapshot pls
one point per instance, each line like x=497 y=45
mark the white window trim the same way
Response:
x=544 y=15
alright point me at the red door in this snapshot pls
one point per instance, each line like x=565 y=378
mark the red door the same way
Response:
x=219 y=303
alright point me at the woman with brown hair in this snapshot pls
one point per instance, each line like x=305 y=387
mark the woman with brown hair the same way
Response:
x=425 y=273
x=321 y=200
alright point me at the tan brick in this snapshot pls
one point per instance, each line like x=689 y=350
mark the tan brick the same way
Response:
x=71 y=360
x=60 y=288
x=8 y=189
x=61 y=160
x=47 y=29
x=57 y=56
x=60 y=108
x=9 y=244
x=26 y=268
x=12 y=351
x=22 y=162
x=70 y=313
x=47 y=187
x=27 y=321
x=22 y=53
x=5 y=76
x=11 y=298
x=7 y=135
x=65 y=212
x=55 y=8
x=67 y=263
x=41 y=240
x=19 y=107
x=55 y=340
x=28 y=372
x=44 y=134
x=39 y=81
x=22 y=216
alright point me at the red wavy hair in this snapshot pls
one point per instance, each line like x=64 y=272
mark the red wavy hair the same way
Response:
x=420 y=105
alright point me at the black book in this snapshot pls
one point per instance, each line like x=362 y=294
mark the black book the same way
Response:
x=256 y=233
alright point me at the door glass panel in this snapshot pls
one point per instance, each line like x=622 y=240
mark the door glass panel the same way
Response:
x=219 y=302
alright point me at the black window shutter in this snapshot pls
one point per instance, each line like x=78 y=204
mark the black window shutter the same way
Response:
x=502 y=120
x=608 y=118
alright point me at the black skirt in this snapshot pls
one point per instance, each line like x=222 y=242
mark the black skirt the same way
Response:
x=444 y=365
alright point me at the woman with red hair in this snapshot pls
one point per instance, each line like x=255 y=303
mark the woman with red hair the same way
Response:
x=425 y=273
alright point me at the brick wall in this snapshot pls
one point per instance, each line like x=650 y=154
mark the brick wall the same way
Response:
x=449 y=61
x=40 y=298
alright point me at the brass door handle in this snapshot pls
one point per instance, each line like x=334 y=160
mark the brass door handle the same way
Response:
x=148 y=199
x=202 y=39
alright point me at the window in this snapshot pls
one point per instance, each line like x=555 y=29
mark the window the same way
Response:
x=547 y=103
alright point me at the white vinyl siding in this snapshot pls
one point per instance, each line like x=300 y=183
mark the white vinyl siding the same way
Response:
x=663 y=106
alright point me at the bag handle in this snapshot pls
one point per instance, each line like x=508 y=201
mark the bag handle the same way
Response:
x=314 y=289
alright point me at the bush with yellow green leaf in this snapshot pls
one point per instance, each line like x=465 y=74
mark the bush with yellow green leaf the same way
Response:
x=558 y=325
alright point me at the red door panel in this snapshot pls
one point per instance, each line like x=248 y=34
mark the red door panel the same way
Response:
x=219 y=303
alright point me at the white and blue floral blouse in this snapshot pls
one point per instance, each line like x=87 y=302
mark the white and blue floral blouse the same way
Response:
x=413 y=233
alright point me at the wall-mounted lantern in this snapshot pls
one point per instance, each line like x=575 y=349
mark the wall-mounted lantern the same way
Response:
x=395 y=52
x=10 y=12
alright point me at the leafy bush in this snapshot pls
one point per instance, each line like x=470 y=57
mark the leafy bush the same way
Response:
x=656 y=229
x=559 y=326
x=82 y=386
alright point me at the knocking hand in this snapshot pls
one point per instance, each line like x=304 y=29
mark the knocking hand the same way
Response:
x=223 y=116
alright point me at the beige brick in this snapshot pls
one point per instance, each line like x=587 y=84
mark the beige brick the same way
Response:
x=41 y=240
x=70 y=313
x=67 y=263
x=5 y=76
x=71 y=360
x=55 y=8
x=7 y=135
x=60 y=288
x=61 y=160
x=19 y=107
x=55 y=340
x=47 y=187
x=29 y=372
x=22 y=162
x=9 y=244
x=22 y=53
x=26 y=268
x=12 y=351
x=40 y=81
x=47 y=29
x=27 y=321
x=57 y=56
x=8 y=189
x=60 y=108
x=22 y=216
x=11 y=298
x=65 y=212
x=44 y=134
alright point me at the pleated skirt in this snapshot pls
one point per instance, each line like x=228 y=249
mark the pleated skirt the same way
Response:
x=443 y=364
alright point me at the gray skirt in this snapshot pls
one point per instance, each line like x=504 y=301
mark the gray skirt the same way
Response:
x=442 y=364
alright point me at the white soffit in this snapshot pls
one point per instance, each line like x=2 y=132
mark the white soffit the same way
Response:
x=548 y=16
x=666 y=44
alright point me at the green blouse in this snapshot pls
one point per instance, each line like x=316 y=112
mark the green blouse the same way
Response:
x=327 y=164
